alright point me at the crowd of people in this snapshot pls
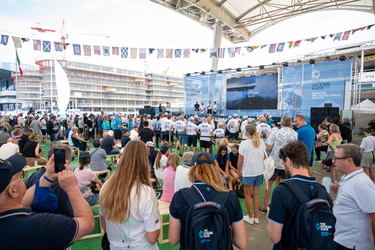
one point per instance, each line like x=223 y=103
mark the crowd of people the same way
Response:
x=218 y=154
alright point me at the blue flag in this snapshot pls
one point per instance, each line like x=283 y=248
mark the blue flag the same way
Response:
x=46 y=46
x=77 y=49
x=4 y=39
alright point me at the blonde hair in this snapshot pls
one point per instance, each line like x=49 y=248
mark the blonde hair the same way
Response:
x=207 y=173
x=224 y=141
x=33 y=136
x=173 y=160
x=17 y=131
x=132 y=169
x=252 y=130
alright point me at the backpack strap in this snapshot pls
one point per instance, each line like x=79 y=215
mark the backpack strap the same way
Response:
x=221 y=197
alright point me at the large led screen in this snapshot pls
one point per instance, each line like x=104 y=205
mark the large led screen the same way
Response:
x=252 y=93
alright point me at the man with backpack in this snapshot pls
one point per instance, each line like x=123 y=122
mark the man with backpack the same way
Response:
x=300 y=214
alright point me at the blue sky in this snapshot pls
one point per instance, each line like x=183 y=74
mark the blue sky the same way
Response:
x=143 y=24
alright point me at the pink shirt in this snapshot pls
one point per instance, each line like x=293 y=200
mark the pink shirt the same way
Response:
x=168 y=187
x=84 y=177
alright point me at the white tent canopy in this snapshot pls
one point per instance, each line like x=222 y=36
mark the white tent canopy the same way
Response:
x=365 y=107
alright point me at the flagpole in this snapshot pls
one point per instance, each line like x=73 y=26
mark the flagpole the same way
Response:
x=51 y=89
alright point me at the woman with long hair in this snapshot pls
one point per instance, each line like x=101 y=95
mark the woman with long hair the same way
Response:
x=221 y=158
x=250 y=167
x=161 y=162
x=85 y=176
x=207 y=184
x=169 y=177
x=33 y=152
x=128 y=206
x=333 y=140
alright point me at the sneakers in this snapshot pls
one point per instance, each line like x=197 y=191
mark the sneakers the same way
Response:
x=249 y=220
x=256 y=220
x=262 y=211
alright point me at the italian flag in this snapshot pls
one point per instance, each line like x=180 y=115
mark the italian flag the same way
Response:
x=19 y=63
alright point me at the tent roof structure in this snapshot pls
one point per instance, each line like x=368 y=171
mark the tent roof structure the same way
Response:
x=242 y=19
x=365 y=106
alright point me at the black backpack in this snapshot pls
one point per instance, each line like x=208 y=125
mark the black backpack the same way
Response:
x=314 y=223
x=207 y=222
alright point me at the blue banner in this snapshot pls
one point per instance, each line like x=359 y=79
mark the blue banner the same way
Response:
x=312 y=85
x=203 y=88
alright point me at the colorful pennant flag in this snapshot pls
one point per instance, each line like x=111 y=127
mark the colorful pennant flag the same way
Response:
x=151 y=51
x=77 y=49
x=133 y=53
x=4 y=39
x=115 y=51
x=46 y=46
x=177 y=53
x=280 y=47
x=249 y=48
x=87 y=50
x=297 y=44
x=346 y=35
x=370 y=26
x=213 y=53
x=142 y=53
x=168 y=53
x=195 y=50
x=290 y=44
x=17 y=42
x=186 y=53
x=124 y=52
x=338 y=36
x=238 y=50
x=57 y=46
x=19 y=63
x=203 y=50
x=231 y=52
x=25 y=39
x=105 y=51
x=221 y=52
x=272 y=48
x=37 y=45
x=96 y=50
x=160 y=53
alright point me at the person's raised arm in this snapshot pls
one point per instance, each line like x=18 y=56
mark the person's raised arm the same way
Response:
x=81 y=209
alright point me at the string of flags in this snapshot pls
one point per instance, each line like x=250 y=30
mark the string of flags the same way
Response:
x=143 y=53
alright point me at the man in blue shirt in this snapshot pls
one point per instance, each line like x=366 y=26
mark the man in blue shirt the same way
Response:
x=117 y=126
x=307 y=135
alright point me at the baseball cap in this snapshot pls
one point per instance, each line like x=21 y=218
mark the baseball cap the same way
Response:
x=126 y=130
x=209 y=160
x=222 y=114
x=84 y=157
x=148 y=115
x=149 y=144
x=110 y=133
x=192 y=118
x=164 y=148
x=10 y=167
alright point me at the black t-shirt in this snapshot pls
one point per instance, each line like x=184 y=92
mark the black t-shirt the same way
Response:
x=22 y=141
x=124 y=140
x=22 y=229
x=146 y=134
x=285 y=205
x=233 y=159
x=107 y=143
x=152 y=157
x=50 y=127
x=196 y=107
x=29 y=149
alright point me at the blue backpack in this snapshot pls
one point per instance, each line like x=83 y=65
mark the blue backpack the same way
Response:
x=207 y=222
x=314 y=223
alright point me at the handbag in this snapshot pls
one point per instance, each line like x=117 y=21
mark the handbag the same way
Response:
x=269 y=168
x=239 y=190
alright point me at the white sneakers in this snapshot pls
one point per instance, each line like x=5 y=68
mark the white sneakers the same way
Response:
x=251 y=221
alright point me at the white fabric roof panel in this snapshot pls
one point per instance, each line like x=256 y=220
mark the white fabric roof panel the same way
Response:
x=242 y=19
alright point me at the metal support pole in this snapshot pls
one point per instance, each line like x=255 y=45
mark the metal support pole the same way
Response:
x=218 y=33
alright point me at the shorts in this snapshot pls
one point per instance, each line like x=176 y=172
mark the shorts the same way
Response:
x=253 y=180
x=279 y=172
x=117 y=134
x=44 y=131
x=52 y=137
x=205 y=144
x=233 y=135
x=192 y=140
x=368 y=159
x=311 y=161
x=165 y=136
x=182 y=138
x=80 y=130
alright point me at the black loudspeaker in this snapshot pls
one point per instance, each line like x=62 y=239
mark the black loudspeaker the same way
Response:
x=317 y=115
x=147 y=107
x=328 y=105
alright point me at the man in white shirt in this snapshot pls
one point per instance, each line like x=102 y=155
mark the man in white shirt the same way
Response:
x=232 y=127
x=134 y=134
x=205 y=131
x=167 y=136
x=20 y=120
x=9 y=149
x=191 y=131
x=180 y=130
x=209 y=108
x=263 y=126
x=214 y=108
x=355 y=203
x=182 y=179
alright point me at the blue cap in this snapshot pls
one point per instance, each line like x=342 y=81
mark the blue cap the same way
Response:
x=10 y=167
x=209 y=159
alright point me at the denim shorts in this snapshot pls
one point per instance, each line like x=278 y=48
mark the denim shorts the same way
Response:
x=253 y=180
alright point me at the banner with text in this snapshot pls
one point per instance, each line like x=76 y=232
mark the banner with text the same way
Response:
x=312 y=85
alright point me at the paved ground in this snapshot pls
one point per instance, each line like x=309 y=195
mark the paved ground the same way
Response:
x=257 y=234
